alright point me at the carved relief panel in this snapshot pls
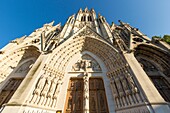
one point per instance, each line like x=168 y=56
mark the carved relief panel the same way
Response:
x=86 y=63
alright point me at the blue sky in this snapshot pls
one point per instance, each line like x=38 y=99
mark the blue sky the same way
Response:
x=21 y=17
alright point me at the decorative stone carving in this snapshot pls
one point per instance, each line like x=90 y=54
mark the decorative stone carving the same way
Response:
x=86 y=63
x=59 y=83
x=47 y=85
x=47 y=90
x=131 y=82
x=114 y=90
x=52 y=88
x=86 y=94
x=40 y=85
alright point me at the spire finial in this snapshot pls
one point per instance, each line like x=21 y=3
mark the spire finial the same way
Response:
x=93 y=11
x=86 y=9
x=80 y=10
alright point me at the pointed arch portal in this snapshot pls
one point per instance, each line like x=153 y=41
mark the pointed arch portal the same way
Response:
x=86 y=92
x=99 y=57
x=83 y=58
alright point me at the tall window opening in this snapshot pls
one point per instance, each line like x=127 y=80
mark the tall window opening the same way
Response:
x=157 y=79
x=9 y=90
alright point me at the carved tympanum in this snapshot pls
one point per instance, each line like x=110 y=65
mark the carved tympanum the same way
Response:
x=86 y=63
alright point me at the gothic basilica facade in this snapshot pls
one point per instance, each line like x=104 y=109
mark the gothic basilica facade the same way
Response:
x=85 y=66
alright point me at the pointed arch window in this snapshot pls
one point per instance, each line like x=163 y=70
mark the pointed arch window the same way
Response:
x=84 y=18
x=9 y=90
x=157 y=79
x=89 y=18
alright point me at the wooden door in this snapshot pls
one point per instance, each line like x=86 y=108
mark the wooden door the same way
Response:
x=74 y=101
x=97 y=102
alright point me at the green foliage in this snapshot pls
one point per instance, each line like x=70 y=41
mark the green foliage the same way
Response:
x=156 y=37
x=165 y=38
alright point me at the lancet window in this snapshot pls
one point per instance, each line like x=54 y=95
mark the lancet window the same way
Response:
x=158 y=80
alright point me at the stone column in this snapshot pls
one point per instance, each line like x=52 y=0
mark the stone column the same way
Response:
x=86 y=94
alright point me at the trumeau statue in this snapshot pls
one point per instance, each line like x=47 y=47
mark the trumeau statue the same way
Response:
x=118 y=69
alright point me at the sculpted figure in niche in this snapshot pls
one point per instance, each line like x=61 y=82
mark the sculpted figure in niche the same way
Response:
x=83 y=64
x=86 y=82
x=86 y=91
x=119 y=87
x=40 y=84
x=76 y=66
x=89 y=64
x=47 y=85
x=95 y=66
x=114 y=89
x=57 y=89
x=131 y=82
x=38 y=89
x=51 y=91
x=52 y=88
x=124 y=83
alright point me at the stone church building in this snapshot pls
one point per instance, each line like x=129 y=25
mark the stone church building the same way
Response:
x=85 y=66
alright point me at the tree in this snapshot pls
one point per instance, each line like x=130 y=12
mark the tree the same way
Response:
x=165 y=38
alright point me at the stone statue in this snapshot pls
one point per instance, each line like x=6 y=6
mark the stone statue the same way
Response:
x=47 y=85
x=53 y=87
x=124 y=83
x=86 y=82
x=86 y=93
x=40 y=85
x=131 y=82
x=114 y=89
x=58 y=89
